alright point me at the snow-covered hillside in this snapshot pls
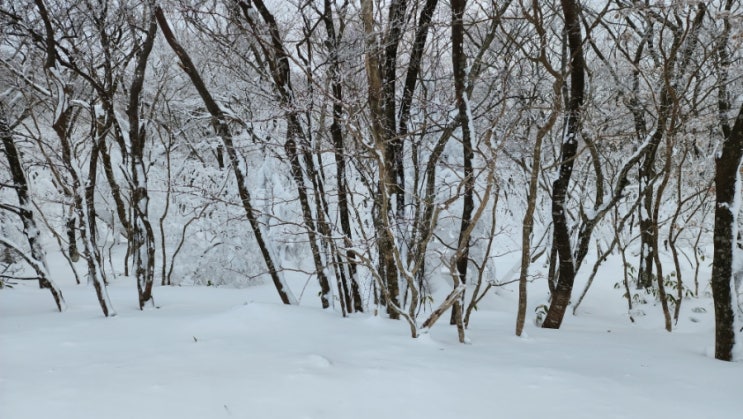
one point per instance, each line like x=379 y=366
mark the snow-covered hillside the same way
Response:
x=209 y=352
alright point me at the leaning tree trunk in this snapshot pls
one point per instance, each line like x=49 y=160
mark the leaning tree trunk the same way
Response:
x=220 y=125
x=30 y=230
x=295 y=144
x=675 y=68
x=527 y=228
x=422 y=206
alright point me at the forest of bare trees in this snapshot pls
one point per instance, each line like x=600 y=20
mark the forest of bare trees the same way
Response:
x=381 y=148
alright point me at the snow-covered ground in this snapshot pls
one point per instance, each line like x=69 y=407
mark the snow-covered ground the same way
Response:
x=212 y=353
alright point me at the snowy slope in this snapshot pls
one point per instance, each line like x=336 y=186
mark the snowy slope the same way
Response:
x=220 y=353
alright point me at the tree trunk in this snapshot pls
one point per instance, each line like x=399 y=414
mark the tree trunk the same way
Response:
x=728 y=200
x=141 y=237
x=394 y=146
x=727 y=195
x=336 y=134
x=30 y=229
x=528 y=221
x=459 y=66
x=386 y=264
x=568 y=150
x=93 y=257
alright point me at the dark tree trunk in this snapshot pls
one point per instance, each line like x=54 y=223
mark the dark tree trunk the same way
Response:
x=568 y=149
x=647 y=236
x=141 y=236
x=108 y=170
x=387 y=268
x=61 y=128
x=394 y=146
x=676 y=66
x=411 y=80
x=727 y=166
x=459 y=65
x=72 y=251
x=727 y=195
x=392 y=183
x=528 y=220
x=96 y=274
x=414 y=66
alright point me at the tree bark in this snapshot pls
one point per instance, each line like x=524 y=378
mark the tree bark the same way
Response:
x=459 y=66
x=394 y=147
x=141 y=237
x=727 y=196
x=728 y=200
x=568 y=150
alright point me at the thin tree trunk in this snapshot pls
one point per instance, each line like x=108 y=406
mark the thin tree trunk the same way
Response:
x=414 y=66
x=84 y=195
x=647 y=238
x=528 y=221
x=336 y=133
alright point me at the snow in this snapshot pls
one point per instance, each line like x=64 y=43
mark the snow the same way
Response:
x=209 y=352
